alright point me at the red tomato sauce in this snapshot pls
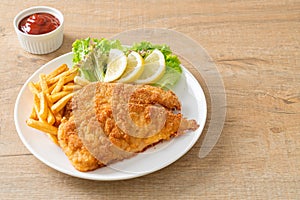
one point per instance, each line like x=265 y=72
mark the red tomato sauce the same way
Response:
x=39 y=23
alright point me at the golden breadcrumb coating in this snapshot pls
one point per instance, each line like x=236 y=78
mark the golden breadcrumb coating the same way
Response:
x=112 y=121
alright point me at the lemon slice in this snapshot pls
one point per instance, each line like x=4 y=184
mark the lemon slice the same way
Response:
x=154 y=68
x=134 y=68
x=116 y=66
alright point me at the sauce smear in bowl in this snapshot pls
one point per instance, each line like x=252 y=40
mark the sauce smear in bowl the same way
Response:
x=38 y=23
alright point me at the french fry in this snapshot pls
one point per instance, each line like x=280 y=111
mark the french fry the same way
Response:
x=51 y=94
x=33 y=114
x=57 y=71
x=61 y=103
x=53 y=138
x=37 y=86
x=43 y=84
x=58 y=85
x=58 y=118
x=36 y=105
x=55 y=97
x=71 y=87
x=51 y=88
x=43 y=112
x=70 y=77
x=33 y=88
x=50 y=118
x=60 y=115
x=56 y=78
x=42 y=126
x=48 y=98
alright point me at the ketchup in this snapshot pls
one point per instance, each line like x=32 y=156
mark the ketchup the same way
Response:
x=39 y=23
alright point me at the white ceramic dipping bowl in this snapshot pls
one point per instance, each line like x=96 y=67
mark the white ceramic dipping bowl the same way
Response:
x=43 y=43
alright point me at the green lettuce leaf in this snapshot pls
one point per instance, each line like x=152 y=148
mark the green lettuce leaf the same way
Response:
x=105 y=45
x=80 y=49
x=91 y=56
x=173 y=68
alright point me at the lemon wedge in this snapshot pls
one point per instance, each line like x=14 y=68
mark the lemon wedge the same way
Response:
x=134 y=68
x=154 y=68
x=116 y=66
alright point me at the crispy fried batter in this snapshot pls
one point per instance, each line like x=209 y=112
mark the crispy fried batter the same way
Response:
x=73 y=147
x=109 y=119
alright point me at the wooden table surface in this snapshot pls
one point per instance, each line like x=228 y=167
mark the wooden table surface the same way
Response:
x=255 y=46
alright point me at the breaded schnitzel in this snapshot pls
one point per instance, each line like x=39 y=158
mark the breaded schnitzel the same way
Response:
x=113 y=121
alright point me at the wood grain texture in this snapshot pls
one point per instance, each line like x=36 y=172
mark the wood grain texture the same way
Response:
x=255 y=45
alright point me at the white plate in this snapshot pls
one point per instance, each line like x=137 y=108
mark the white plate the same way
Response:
x=194 y=106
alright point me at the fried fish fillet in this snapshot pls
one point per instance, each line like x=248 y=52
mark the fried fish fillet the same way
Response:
x=113 y=121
